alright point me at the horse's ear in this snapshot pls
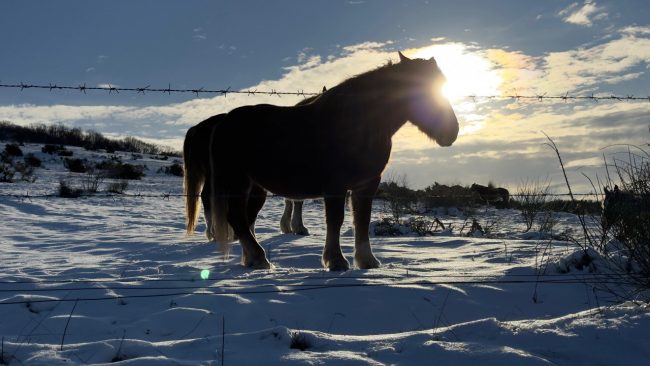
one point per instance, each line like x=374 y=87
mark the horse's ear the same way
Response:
x=402 y=58
x=324 y=89
x=433 y=60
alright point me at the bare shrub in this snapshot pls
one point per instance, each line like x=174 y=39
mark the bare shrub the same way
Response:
x=399 y=198
x=76 y=165
x=531 y=199
x=52 y=149
x=91 y=181
x=441 y=195
x=68 y=191
x=10 y=168
x=175 y=169
x=118 y=187
x=7 y=170
x=13 y=150
x=626 y=211
x=489 y=226
x=546 y=221
x=423 y=226
x=387 y=226
x=626 y=214
x=33 y=161
x=300 y=341
x=116 y=169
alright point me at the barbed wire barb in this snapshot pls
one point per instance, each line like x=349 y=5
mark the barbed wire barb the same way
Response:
x=225 y=92
x=142 y=90
x=197 y=91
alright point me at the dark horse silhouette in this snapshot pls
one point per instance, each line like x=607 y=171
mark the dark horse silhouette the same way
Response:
x=499 y=197
x=625 y=213
x=343 y=140
x=196 y=163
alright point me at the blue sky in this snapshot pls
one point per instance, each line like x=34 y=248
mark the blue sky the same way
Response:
x=579 y=47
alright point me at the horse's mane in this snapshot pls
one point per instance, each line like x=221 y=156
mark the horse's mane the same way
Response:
x=361 y=81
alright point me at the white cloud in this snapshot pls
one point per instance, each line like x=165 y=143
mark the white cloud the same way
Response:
x=638 y=30
x=585 y=15
x=577 y=70
x=198 y=35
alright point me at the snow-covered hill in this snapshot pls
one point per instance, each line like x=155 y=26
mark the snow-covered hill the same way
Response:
x=96 y=280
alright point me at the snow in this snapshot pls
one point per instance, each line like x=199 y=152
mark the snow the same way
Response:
x=134 y=281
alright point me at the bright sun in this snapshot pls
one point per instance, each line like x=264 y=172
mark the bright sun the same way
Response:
x=468 y=72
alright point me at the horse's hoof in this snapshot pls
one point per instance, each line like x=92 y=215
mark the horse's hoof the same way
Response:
x=300 y=230
x=367 y=263
x=337 y=265
x=262 y=265
x=259 y=264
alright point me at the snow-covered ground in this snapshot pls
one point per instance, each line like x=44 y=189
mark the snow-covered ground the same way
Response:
x=98 y=280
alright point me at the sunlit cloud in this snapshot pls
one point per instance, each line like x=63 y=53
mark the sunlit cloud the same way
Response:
x=583 y=15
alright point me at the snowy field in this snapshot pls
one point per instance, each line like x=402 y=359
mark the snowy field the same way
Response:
x=98 y=280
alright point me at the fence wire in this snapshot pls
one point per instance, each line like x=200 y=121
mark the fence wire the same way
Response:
x=167 y=196
x=225 y=289
x=111 y=89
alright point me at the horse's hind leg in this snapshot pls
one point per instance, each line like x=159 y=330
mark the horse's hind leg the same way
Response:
x=361 y=209
x=285 y=221
x=256 y=200
x=297 y=226
x=253 y=254
x=333 y=258
x=205 y=198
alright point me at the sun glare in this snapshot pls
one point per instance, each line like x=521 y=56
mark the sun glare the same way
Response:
x=468 y=72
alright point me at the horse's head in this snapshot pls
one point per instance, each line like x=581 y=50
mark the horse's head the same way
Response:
x=428 y=109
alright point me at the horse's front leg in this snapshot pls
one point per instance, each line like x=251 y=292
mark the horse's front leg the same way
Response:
x=333 y=258
x=297 y=226
x=361 y=209
x=256 y=199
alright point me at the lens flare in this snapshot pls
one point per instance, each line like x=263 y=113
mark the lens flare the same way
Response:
x=447 y=91
x=468 y=71
x=205 y=274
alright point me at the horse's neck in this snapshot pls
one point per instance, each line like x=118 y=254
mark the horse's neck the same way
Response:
x=371 y=109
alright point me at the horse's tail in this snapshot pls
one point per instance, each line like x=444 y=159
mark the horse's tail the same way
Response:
x=219 y=227
x=194 y=177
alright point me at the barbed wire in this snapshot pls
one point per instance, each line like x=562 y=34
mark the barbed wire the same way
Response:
x=168 y=196
x=289 y=288
x=398 y=273
x=110 y=89
x=168 y=90
x=600 y=280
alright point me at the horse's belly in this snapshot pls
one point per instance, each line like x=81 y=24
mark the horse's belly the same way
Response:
x=313 y=166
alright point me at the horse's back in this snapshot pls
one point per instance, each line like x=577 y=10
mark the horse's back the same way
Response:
x=302 y=149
